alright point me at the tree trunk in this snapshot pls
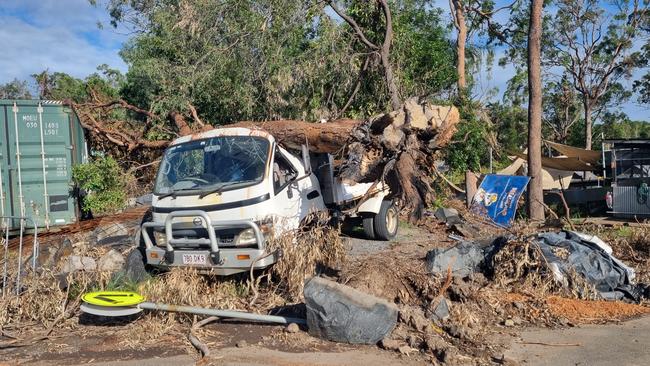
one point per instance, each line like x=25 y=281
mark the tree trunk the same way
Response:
x=327 y=137
x=395 y=101
x=587 y=109
x=535 y=188
x=459 y=20
x=398 y=148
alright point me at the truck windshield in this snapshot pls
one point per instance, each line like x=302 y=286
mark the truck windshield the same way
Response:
x=208 y=164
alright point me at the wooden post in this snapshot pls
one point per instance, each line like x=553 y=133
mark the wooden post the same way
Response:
x=471 y=186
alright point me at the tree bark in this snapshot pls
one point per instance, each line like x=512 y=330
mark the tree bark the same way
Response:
x=328 y=137
x=587 y=108
x=395 y=101
x=461 y=27
x=535 y=188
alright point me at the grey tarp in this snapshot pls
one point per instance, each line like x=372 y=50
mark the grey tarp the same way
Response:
x=567 y=251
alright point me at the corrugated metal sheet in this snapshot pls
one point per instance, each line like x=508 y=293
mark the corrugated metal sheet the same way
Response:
x=626 y=204
x=39 y=143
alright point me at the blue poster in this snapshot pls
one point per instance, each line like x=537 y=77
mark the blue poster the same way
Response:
x=497 y=197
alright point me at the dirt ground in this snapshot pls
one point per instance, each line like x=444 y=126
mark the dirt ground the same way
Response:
x=234 y=343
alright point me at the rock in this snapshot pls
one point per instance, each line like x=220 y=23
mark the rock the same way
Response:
x=464 y=258
x=342 y=314
x=467 y=230
x=112 y=261
x=111 y=234
x=390 y=344
x=134 y=269
x=448 y=215
x=65 y=249
x=292 y=328
x=519 y=305
x=517 y=320
x=441 y=310
x=509 y=323
x=76 y=263
x=46 y=258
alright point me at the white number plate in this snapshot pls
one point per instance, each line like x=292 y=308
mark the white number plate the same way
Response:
x=194 y=259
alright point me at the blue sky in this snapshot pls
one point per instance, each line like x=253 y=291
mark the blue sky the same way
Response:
x=62 y=35
x=59 y=35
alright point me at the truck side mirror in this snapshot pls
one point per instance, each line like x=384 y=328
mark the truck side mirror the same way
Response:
x=305 y=159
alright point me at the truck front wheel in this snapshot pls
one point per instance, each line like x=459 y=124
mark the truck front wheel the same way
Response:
x=386 y=221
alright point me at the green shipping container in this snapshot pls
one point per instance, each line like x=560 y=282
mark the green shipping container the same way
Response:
x=40 y=141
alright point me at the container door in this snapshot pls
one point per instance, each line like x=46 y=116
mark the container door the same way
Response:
x=5 y=190
x=44 y=144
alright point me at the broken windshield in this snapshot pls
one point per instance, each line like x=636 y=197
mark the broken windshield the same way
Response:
x=211 y=163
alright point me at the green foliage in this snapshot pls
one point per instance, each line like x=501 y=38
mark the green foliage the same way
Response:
x=267 y=59
x=511 y=125
x=104 y=183
x=469 y=149
x=60 y=86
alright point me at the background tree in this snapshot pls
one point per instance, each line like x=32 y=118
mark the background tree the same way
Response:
x=382 y=49
x=15 y=89
x=267 y=59
x=562 y=109
x=596 y=49
x=535 y=188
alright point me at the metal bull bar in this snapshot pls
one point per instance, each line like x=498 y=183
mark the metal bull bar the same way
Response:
x=35 y=250
x=210 y=227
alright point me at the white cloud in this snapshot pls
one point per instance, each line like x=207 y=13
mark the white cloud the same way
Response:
x=55 y=35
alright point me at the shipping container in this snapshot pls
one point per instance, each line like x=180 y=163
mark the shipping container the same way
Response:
x=40 y=142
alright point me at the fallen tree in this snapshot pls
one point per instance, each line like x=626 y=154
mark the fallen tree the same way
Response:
x=396 y=147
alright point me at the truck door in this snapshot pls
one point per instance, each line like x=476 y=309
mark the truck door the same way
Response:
x=288 y=195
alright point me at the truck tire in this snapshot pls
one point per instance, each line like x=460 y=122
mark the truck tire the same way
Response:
x=369 y=226
x=386 y=221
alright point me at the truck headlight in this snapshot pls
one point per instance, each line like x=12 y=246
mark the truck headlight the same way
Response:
x=160 y=238
x=246 y=237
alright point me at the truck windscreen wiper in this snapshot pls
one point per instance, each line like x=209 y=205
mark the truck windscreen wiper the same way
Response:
x=218 y=189
x=174 y=192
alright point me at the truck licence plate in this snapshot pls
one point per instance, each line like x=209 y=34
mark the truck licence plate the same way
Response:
x=194 y=259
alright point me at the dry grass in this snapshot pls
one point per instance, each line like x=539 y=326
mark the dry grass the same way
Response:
x=315 y=247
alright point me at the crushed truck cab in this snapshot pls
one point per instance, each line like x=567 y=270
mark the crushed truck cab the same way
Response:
x=220 y=195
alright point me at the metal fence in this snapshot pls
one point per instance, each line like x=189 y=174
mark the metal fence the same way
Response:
x=6 y=228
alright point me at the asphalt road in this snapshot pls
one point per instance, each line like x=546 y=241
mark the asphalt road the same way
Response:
x=626 y=343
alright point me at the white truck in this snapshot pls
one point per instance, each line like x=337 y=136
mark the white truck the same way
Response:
x=219 y=195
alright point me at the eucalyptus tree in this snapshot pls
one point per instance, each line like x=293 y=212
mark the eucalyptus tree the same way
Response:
x=595 y=45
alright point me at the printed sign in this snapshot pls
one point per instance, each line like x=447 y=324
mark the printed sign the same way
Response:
x=113 y=298
x=497 y=197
